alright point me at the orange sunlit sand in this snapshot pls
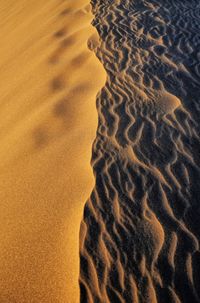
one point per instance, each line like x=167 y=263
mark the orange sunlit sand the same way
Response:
x=48 y=121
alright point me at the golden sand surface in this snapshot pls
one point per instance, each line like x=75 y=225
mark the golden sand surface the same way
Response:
x=48 y=122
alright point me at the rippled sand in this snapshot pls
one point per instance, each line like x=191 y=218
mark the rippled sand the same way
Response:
x=48 y=121
x=140 y=233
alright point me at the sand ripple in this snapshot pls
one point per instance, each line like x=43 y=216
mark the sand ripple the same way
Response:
x=140 y=233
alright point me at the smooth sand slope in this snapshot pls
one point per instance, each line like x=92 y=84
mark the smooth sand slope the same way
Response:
x=141 y=227
x=48 y=120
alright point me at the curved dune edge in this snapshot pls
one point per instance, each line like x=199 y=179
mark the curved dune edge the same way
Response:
x=48 y=121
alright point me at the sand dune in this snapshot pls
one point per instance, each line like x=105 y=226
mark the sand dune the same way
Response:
x=48 y=121
x=140 y=233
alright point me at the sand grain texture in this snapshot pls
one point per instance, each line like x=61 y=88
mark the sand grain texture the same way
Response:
x=48 y=122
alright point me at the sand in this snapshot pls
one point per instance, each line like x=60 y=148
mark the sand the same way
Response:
x=136 y=238
x=48 y=122
x=140 y=234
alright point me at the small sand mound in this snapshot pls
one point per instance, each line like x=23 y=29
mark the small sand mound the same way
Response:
x=168 y=102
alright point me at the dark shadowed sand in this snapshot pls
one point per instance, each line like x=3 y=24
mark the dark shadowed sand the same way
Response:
x=139 y=238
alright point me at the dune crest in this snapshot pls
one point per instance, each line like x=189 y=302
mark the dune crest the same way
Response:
x=48 y=122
